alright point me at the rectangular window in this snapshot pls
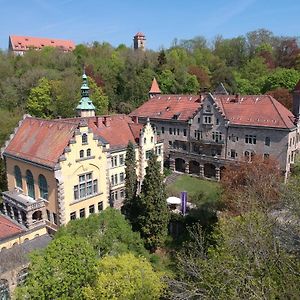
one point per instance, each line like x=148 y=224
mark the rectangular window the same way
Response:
x=174 y=131
x=112 y=180
x=148 y=154
x=91 y=209
x=82 y=213
x=55 y=218
x=178 y=131
x=159 y=150
x=116 y=178
x=95 y=186
x=198 y=120
x=232 y=153
x=86 y=187
x=73 y=215
x=170 y=130
x=267 y=141
x=184 y=132
x=115 y=161
x=121 y=177
x=121 y=159
x=250 y=139
x=122 y=194
x=100 y=206
x=112 y=162
x=163 y=130
x=48 y=214
x=217 y=136
x=217 y=121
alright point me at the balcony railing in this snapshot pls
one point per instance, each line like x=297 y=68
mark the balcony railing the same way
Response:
x=208 y=142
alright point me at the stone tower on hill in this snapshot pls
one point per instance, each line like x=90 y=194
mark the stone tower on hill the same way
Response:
x=139 y=41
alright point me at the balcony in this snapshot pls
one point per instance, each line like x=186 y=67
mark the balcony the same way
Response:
x=208 y=142
x=22 y=202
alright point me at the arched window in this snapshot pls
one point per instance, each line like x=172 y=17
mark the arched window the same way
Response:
x=18 y=177
x=88 y=152
x=81 y=153
x=84 y=138
x=30 y=184
x=43 y=187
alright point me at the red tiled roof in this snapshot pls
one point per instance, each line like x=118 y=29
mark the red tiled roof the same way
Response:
x=255 y=110
x=8 y=228
x=252 y=110
x=23 y=43
x=166 y=106
x=154 y=87
x=41 y=141
x=117 y=130
x=139 y=34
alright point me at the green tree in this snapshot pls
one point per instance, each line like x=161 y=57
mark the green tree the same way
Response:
x=247 y=261
x=125 y=277
x=108 y=233
x=153 y=216
x=60 y=271
x=129 y=208
x=40 y=103
x=100 y=100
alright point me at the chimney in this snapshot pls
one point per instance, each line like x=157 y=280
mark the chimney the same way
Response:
x=296 y=101
x=98 y=121
x=106 y=121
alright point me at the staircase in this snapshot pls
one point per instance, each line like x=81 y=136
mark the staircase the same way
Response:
x=172 y=178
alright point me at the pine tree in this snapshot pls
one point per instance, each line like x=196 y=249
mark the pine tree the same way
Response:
x=129 y=208
x=153 y=218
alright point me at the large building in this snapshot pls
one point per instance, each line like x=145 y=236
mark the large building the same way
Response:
x=59 y=170
x=20 y=44
x=204 y=133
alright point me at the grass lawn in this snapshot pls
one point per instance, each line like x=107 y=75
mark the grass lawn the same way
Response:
x=199 y=191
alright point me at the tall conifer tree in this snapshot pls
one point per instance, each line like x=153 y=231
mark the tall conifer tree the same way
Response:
x=153 y=217
x=129 y=207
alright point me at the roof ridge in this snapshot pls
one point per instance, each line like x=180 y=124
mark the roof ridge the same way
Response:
x=272 y=100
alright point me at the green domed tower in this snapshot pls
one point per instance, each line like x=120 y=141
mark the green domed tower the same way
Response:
x=85 y=108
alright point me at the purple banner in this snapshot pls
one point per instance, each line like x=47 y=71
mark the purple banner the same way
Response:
x=183 y=197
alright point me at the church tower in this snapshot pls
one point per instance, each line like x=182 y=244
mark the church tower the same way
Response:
x=139 y=41
x=85 y=108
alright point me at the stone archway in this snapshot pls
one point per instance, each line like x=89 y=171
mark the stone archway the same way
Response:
x=180 y=165
x=209 y=170
x=194 y=167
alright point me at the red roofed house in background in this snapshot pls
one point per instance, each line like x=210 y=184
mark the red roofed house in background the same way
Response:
x=20 y=44
x=203 y=133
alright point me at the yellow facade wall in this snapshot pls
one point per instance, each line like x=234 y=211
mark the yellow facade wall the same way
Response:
x=51 y=204
x=74 y=166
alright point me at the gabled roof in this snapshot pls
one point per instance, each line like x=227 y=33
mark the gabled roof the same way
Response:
x=23 y=43
x=154 y=87
x=8 y=228
x=41 y=141
x=179 y=107
x=255 y=110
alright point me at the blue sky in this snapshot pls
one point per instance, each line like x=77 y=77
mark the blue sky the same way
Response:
x=116 y=21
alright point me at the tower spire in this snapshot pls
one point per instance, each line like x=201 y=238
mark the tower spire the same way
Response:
x=85 y=108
